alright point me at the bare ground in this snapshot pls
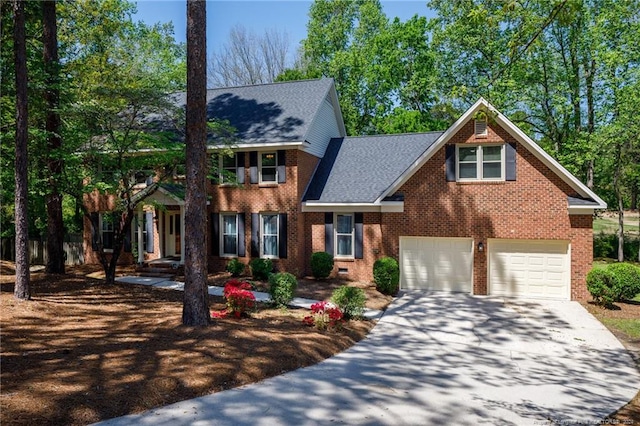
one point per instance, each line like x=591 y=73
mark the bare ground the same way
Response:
x=81 y=351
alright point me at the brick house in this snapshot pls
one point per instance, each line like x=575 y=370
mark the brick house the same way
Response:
x=478 y=208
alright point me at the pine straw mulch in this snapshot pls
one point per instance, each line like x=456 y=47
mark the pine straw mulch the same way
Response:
x=81 y=351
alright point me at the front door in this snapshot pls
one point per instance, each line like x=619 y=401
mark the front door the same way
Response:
x=172 y=232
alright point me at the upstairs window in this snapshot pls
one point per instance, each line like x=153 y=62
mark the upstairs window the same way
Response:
x=269 y=167
x=480 y=162
x=228 y=168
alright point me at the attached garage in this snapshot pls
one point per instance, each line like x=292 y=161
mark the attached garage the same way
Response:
x=436 y=263
x=529 y=268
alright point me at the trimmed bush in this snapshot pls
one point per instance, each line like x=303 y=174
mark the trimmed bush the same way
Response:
x=235 y=267
x=606 y=246
x=350 y=300
x=281 y=288
x=386 y=274
x=627 y=280
x=600 y=283
x=321 y=264
x=261 y=269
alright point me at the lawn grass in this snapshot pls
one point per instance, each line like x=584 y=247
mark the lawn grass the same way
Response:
x=629 y=326
x=609 y=225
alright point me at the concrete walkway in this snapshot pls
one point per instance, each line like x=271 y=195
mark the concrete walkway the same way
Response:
x=297 y=302
x=440 y=358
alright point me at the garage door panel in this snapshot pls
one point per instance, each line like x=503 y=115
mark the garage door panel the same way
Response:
x=436 y=263
x=529 y=268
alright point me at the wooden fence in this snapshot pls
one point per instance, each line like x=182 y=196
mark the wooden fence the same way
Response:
x=73 y=250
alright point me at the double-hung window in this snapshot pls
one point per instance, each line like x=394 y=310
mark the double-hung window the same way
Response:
x=269 y=235
x=344 y=238
x=268 y=167
x=229 y=240
x=228 y=167
x=480 y=162
x=107 y=230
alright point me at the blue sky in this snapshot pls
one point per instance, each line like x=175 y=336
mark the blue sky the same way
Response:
x=257 y=15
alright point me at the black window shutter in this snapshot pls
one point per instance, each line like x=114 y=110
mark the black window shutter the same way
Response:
x=253 y=167
x=215 y=234
x=283 y=235
x=95 y=230
x=450 y=162
x=328 y=233
x=126 y=241
x=510 y=157
x=240 y=167
x=282 y=170
x=255 y=235
x=359 y=222
x=149 y=225
x=242 y=249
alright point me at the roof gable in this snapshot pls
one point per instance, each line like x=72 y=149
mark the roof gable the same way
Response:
x=516 y=133
x=268 y=113
x=359 y=169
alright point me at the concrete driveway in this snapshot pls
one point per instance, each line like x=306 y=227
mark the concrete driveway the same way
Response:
x=440 y=358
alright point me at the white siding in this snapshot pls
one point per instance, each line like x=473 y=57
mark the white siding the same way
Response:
x=324 y=127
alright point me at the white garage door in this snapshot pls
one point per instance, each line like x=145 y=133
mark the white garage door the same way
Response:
x=436 y=263
x=529 y=268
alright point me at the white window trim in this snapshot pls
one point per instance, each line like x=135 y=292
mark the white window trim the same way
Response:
x=479 y=162
x=222 y=234
x=134 y=231
x=221 y=168
x=268 y=182
x=335 y=236
x=113 y=231
x=262 y=235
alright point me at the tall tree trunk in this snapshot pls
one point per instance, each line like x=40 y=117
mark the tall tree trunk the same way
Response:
x=195 y=309
x=590 y=70
x=53 y=199
x=21 y=290
x=616 y=187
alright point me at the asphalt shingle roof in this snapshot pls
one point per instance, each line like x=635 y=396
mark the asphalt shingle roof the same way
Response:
x=267 y=113
x=360 y=169
x=586 y=202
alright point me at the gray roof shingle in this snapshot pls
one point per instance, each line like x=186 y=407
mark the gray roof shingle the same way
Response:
x=267 y=113
x=360 y=169
x=583 y=202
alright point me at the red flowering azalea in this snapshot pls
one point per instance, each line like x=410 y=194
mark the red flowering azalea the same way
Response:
x=240 y=299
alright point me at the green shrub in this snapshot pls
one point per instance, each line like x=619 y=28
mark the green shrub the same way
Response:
x=281 y=288
x=350 y=300
x=386 y=274
x=261 y=268
x=601 y=283
x=235 y=267
x=321 y=264
x=627 y=280
x=606 y=246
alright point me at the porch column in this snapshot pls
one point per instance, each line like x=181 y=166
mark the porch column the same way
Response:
x=140 y=236
x=182 y=236
x=160 y=216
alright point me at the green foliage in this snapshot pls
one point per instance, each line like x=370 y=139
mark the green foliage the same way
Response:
x=261 y=268
x=235 y=267
x=282 y=286
x=600 y=283
x=606 y=246
x=616 y=282
x=350 y=300
x=627 y=280
x=321 y=264
x=386 y=275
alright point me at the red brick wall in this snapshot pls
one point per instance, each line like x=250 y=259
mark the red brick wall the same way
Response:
x=532 y=207
x=281 y=198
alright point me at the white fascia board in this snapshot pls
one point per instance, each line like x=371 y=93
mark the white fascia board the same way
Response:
x=518 y=134
x=256 y=146
x=426 y=156
x=168 y=194
x=549 y=161
x=385 y=207
x=583 y=210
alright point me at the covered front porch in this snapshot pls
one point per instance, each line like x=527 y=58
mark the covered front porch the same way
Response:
x=162 y=212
